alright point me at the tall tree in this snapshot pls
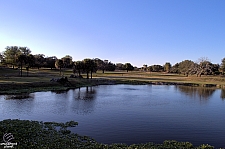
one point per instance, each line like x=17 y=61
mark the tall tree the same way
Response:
x=167 y=67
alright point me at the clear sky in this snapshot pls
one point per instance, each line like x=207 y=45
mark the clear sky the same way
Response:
x=136 y=31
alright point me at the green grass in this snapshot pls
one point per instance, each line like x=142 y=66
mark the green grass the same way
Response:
x=40 y=79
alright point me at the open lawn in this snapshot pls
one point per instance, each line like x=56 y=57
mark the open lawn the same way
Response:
x=10 y=79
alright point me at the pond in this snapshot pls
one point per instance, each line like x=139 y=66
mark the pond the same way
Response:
x=129 y=113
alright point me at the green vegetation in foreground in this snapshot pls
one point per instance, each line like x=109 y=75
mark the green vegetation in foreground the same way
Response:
x=48 y=135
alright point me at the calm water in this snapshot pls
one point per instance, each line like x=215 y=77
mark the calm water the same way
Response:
x=130 y=113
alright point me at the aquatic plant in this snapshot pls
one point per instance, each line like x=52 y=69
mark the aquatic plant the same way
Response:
x=46 y=135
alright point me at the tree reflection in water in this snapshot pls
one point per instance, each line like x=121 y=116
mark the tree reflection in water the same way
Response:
x=20 y=96
x=222 y=95
x=60 y=91
x=84 y=100
x=88 y=94
x=201 y=92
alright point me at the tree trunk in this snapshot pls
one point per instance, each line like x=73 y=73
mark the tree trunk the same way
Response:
x=87 y=75
x=91 y=74
x=27 y=68
x=79 y=72
x=127 y=70
x=103 y=70
x=21 y=70
x=60 y=70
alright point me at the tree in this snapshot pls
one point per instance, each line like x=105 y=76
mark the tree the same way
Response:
x=30 y=60
x=144 y=68
x=150 y=68
x=11 y=55
x=128 y=67
x=67 y=61
x=93 y=67
x=175 y=68
x=110 y=67
x=101 y=65
x=89 y=66
x=156 y=68
x=49 y=62
x=1 y=58
x=120 y=66
x=78 y=67
x=22 y=60
x=59 y=64
x=186 y=66
x=39 y=60
x=25 y=50
x=205 y=67
x=167 y=67
x=222 y=66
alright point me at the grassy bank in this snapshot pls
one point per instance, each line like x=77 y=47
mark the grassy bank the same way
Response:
x=45 y=135
x=39 y=80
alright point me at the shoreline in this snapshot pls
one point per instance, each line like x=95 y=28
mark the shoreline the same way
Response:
x=30 y=87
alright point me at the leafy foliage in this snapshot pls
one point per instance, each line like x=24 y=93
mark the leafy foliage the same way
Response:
x=128 y=67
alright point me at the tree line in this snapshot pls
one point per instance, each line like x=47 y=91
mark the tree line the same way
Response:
x=21 y=57
x=188 y=67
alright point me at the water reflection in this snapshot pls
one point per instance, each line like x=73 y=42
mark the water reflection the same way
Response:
x=222 y=95
x=200 y=92
x=19 y=96
x=84 y=100
x=130 y=114
x=60 y=91
x=88 y=94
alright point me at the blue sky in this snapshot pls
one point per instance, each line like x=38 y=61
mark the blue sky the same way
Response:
x=136 y=31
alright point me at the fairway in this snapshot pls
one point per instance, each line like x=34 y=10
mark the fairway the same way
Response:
x=45 y=75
